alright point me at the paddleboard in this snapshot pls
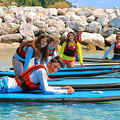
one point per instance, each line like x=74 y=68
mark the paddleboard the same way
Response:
x=80 y=73
x=95 y=64
x=77 y=96
x=69 y=74
x=90 y=68
x=100 y=60
x=86 y=83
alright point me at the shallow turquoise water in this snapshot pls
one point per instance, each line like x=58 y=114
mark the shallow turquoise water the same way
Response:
x=56 y=111
x=60 y=111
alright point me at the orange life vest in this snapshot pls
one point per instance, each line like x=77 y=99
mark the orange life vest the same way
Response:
x=23 y=80
x=22 y=53
x=70 y=50
x=78 y=38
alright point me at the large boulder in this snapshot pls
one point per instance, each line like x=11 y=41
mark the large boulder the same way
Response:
x=10 y=38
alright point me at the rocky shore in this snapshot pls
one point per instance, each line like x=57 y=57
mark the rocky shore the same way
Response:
x=101 y=25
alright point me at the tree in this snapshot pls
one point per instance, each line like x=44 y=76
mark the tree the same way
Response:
x=43 y=3
x=59 y=5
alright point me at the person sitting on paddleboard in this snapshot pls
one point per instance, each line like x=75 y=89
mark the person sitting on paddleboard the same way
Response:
x=52 y=49
x=35 y=78
x=79 y=32
x=116 y=47
x=69 y=50
x=27 y=50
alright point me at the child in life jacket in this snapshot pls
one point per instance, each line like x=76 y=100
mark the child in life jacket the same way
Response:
x=116 y=48
x=79 y=32
x=35 y=78
x=55 y=41
x=69 y=50
x=27 y=50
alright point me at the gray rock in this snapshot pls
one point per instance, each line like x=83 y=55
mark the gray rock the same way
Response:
x=10 y=38
x=93 y=27
x=115 y=22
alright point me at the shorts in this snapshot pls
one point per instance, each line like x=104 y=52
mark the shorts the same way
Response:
x=67 y=61
x=3 y=84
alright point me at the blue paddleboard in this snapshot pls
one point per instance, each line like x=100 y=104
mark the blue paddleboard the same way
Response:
x=77 y=96
x=100 y=60
x=86 y=83
x=81 y=73
x=90 y=68
x=69 y=74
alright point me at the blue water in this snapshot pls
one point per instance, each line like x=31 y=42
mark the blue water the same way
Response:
x=60 y=111
x=56 y=111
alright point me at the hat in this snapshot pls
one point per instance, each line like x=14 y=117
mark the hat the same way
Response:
x=80 y=29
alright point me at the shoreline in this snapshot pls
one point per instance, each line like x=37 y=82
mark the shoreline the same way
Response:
x=6 y=45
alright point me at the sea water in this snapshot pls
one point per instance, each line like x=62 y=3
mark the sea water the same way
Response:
x=56 y=111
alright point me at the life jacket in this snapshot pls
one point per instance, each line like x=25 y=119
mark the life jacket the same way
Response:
x=70 y=50
x=51 y=52
x=22 y=53
x=23 y=80
x=117 y=50
x=78 y=38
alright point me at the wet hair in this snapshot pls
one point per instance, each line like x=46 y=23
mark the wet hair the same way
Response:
x=59 y=60
x=75 y=39
x=37 y=45
x=117 y=36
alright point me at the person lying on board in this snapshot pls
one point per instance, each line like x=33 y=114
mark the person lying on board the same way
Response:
x=116 y=48
x=55 y=41
x=35 y=77
x=27 y=50
x=69 y=50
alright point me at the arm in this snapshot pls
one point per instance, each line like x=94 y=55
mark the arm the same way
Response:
x=79 y=50
x=35 y=61
x=28 y=57
x=107 y=52
x=49 y=89
x=62 y=49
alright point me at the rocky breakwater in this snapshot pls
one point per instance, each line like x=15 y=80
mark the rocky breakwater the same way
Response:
x=25 y=23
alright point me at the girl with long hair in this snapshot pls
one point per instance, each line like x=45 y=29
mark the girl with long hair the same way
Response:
x=69 y=50
x=35 y=48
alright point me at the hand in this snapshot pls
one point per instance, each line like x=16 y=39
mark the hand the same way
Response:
x=48 y=78
x=82 y=65
x=69 y=89
x=102 y=58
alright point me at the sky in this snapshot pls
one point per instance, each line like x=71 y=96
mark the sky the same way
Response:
x=96 y=3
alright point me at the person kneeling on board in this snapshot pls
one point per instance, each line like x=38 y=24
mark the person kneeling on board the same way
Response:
x=116 y=49
x=35 y=77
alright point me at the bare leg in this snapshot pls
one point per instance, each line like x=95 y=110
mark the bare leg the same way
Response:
x=70 y=65
x=18 y=67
